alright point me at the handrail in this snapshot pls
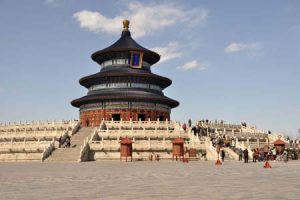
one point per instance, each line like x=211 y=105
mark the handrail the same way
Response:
x=85 y=148
x=75 y=128
x=36 y=125
x=48 y=150
x=211 y=153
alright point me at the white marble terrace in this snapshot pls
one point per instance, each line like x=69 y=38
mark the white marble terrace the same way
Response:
x=31 y=140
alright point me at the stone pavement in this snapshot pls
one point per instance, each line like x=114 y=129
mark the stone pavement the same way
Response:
x=149 y=180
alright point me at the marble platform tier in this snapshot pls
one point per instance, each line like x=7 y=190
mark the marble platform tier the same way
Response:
x=32 y=141
x=150 y=138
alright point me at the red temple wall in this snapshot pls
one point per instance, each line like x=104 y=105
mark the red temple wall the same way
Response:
x=94 y=117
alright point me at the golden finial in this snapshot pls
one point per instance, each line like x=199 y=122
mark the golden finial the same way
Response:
x=126 y=24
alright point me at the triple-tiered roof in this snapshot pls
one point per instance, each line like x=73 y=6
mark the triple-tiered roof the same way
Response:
x=124 y=72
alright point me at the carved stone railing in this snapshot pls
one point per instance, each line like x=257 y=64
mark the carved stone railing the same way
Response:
x=139 y=124
x=84 y=151
x=48 y=150
x=37 y=125
x=85 y=148
x=211 y=153
x=139 y=133
x=75 y=128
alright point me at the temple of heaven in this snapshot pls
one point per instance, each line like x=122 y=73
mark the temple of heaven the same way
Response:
x=125 y=88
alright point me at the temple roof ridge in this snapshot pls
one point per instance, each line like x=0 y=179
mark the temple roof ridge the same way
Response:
x=125 y=44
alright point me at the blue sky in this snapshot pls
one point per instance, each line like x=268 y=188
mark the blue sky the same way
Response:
x=231 y=60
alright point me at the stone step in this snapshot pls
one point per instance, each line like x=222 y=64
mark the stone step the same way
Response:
x=71 y=154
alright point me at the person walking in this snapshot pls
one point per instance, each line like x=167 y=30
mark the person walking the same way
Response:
x=285 y=156
x=194 y=130
x=240 y=152
x=184 y=127
x=246 y=156
x=190 y=123
x=254 y=155
x=68 y=141
x=60 y=142
x=223 y=155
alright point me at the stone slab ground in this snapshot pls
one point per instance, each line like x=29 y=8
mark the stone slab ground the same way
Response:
x=149 y=180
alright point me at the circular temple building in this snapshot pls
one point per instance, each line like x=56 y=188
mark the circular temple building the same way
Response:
x=125 y=88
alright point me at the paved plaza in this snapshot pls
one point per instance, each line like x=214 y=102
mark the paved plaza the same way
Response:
x=149 y=180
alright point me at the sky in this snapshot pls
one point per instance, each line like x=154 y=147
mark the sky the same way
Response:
x=237 y=61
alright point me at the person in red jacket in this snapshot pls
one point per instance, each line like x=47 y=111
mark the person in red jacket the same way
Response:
x=184 y=126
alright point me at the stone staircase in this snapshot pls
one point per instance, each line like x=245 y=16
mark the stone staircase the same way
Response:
x=230 y=154
x=71 y=154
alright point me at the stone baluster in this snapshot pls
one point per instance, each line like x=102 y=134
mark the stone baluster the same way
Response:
x=243 y=144
x=149 y=143
x=15 y=133
x=24 y=143
x=133 y=144
x=131 y=133
x=102 y=143
x=168 y=131
x=34 y=132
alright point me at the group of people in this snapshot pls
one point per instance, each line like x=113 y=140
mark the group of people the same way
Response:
x=64 y=142
x=243 y=154
x=262 y=155
x=198 y=131
x=153 y=156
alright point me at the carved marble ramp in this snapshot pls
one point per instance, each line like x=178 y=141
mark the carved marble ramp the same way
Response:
x=71 y=154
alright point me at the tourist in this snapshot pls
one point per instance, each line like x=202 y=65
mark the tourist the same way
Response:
x=157 y=157
x=223 y=155
x=194 y=130
x=190 y=123
x=198 y=130
x=68 y=141
x=254 y=155
x=151 y=157
x=240 y=152
x=270 y=157
x=274 y=154
x=59 y=142
x=261 y=155
x=184 y=126
x=246 y=156
x=285 y=156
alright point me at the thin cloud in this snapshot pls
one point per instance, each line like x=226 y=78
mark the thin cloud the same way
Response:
x=144 y=19
x=192 y=65
x=236 y=47
x=169 y=52
x=53 y=2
